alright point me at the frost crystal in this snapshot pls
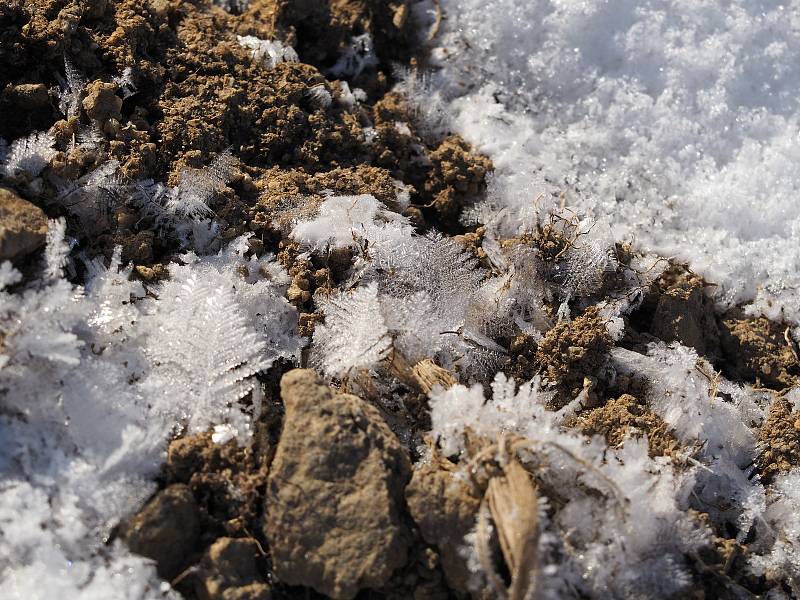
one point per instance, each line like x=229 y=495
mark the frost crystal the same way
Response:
x=205 y=351
x=197 y=188
x=344 y=220
x=621 y=531
x=427 y=106
x=509 y=411
x=93 y=197
x=125 y=82
x=320 y=97
x=72 y=89
x=583 y=95
x=87 y=409
x=57 y=249
x=28 y=155
x=271 y=53
x=233 y=6
x=359 y=55
x=354 y=334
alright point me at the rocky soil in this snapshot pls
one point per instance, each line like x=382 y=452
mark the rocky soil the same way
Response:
x=328 y=500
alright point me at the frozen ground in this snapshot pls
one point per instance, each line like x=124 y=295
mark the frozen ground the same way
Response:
x=672 y=124
x=678 y=121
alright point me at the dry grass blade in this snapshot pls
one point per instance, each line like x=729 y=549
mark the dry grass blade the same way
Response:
x=514 y=505
x=428 y=375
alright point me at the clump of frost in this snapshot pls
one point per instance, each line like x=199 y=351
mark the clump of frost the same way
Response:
x=125 y=82
x=680 y=393
x=232 y=6
x=198 y=187
x=184 y=212
x=94 y=197
x=421 y=297
x=779 y=528
x=357 y=56
x=344 y=220
x=619 y=528
x=348 y=98
x=319 y=96
x=218 y=321
x=28 y=155
x=431 y=301
x=72 y=87
x=428 y=108
x=269 y=52
x=94 y=381
x=354 y=334
x=509 y=411
x=715 y=416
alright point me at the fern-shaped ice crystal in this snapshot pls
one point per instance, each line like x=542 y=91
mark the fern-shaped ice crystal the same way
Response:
x=353 y=335
x=28 y=155
x=198 y=187
x=206 y=353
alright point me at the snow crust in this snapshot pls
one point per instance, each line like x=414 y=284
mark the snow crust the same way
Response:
x=678 y=121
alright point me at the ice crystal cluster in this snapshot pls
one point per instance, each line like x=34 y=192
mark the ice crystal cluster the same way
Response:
x=269 y=52
x=427 y=296
x=96 y=380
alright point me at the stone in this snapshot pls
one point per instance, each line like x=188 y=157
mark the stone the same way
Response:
x=23 y=226
x=444 y=508
x=229 y=571
x=335 y=492
x=166 y=530
x=101 y=102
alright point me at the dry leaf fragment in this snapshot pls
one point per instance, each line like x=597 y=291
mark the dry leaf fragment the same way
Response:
x=513 y=504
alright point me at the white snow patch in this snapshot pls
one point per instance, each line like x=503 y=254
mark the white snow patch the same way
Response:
x=678 y=121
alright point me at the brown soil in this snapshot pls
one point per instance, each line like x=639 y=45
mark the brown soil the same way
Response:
x=198 y=92
x=573 y=354
x=757 y=350
x=779 y=440
x=676 y=308
x=626 y=416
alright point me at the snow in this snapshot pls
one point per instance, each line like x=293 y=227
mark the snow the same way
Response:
x=677 y=121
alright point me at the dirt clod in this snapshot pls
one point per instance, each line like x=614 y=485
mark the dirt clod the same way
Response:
x=23 y=226
x=101 y=102
x=618 y=418
x=229 y=571
x=226 y=480
x=573 y=351
x=779 y=440
x=757 y=351
x=444 y=508
x=457 y=174
x=166 y=530
x=334 y=494
x=684 y=313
